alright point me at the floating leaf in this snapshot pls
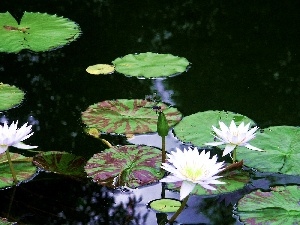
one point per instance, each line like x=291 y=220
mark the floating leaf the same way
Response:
x=150 y=65
x=197 y=128
x=4 y=221
x=277 y=207
x=22 y=166
x=234 y=180
x=124 y=116
x=130 y=165
x=281 y=145
x=61 y=163
x=10 y=96
x=36 y=32
x=100 y=69
x=165 y=205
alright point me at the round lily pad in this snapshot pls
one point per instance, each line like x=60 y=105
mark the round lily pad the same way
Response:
x=128 y=165
x=100 y=69
x=165 y=205
x=279 y=206
x=10 y=96
x=61 y=162
x=36 y=32
x=124 y=116
x=281 y=145
x=23 y=167
x=197 y=128
x=150 y=65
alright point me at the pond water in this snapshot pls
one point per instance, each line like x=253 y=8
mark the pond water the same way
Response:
x=244 y=58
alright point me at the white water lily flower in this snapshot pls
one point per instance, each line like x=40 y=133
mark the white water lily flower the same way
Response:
x=12 y=136
x=234 y=136
x=192 y=168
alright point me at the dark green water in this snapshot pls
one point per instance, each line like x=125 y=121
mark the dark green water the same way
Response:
x=245 y=58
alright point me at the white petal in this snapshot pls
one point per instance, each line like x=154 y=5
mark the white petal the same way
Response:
x=229 y=148
x=253 y=148
x=186 y=188
x=23 y=146
x=170 y=179
x=216 y=143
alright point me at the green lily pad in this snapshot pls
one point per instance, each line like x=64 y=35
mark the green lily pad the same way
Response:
x=234 y=180
x=124 y=116
x=100 y=69
x=61 y=162
x=10 y=96
x=3 y=221
x=197 y=128
x=281 y=145
x=277 y=207
x=165 y=205
x=36 y=32
x=130 y=165
x=23 y=167
x=150 y=65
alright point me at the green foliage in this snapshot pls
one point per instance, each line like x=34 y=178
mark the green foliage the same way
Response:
x=162 y=125
x=10 y=96
x=165 y=205
x=36 y=32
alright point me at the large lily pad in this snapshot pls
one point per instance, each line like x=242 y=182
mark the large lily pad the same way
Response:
x=61 y=162
x=197 y=128
x=277 y=207
x=150 y=65
x=124 y=116
x=130 y=165
x=281 y=145
x=23 y=167
x=10 y=96
x=36 y=32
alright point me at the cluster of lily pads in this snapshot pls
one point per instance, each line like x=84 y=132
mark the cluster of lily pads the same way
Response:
x=139 y=165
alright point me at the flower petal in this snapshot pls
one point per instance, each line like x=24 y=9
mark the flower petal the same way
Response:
x=186 y=188
x=23 y=146
x=254 y=148
x=229 y=148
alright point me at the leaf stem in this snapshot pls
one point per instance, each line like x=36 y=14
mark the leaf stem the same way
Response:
x=11 y=167
x=163 y=148
x=182 y=206
x=234 y=155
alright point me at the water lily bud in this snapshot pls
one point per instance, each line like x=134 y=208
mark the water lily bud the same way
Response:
x=162 y=125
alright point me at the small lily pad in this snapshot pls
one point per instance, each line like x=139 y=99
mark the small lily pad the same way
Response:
x=36 y=32
x=197 y=128
x=61 y=162
x=277 y=207
x=10 y=96
x=129 y=165
x=165 y=205
x=23 y=167
x=281 y=145
x=100 y=69
x=150 y=65
x=127 y=116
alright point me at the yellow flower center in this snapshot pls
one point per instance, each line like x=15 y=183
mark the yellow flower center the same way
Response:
x=192 y=172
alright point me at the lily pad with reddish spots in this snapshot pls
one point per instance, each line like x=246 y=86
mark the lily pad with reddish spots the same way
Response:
x=23 y=167
x=128 y=165
x=277 y=207
x=128 y=116
x=61 y=162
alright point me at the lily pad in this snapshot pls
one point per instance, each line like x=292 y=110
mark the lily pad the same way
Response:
x=23 y=167
x=129 y=165
x=234 y=180
x=281 y=145
x=124 y=116
x=150 y=65
x=10 y=96
x=100 y=69
x=61 y=162
x=165 y=205
x=277 y=207
x=4 y=221
x=36 y=32
x=197 y=128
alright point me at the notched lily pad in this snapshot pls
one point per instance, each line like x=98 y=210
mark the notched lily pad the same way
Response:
x=165 y=205
x=127 y=116
x=279 y=206
x=128 y=165
x=36 y=32
x=23 y=167
x=197 y=128
x=10 y=96
x=100 y=69
x=150 y=65
x=61 y=162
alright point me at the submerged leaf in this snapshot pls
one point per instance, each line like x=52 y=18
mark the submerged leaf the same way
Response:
x=150 y=65
x=124 y=116
x=130 y=165
x=100 y=69
x=277 y=207
x=10 y=96
x=36 y=32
